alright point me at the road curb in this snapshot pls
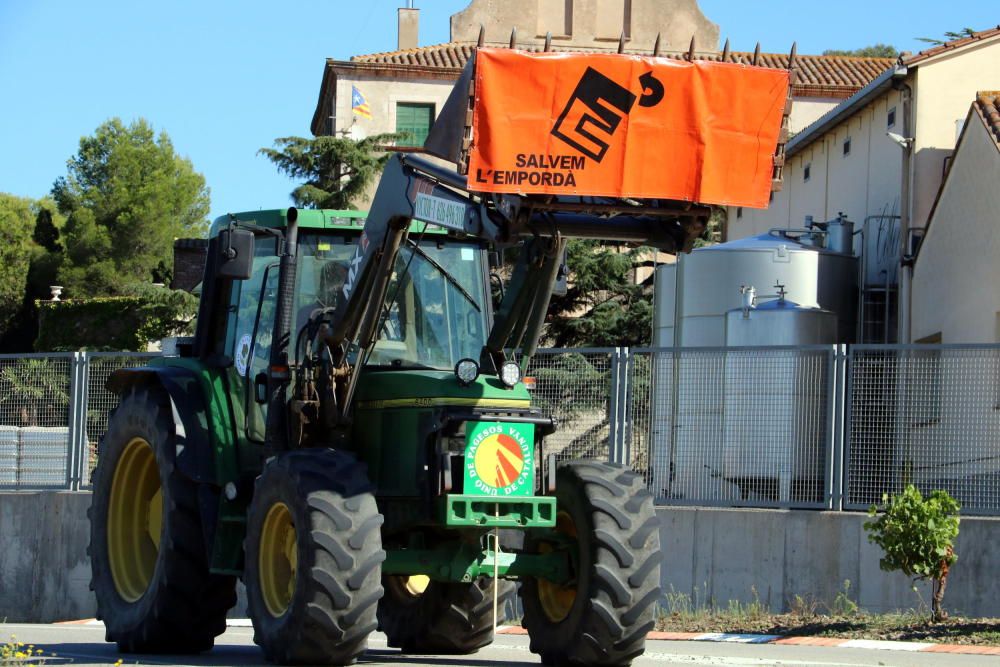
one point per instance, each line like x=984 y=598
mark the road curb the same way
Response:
x=833 y=642
x=732 y=638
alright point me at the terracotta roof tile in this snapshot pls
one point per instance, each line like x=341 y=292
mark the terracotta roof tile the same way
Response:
x=953 y=44
x=827 y=72
x=988 y=106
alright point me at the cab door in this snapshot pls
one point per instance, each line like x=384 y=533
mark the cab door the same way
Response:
x=250 y=325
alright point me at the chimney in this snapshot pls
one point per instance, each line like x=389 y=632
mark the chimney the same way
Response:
x=409 y=18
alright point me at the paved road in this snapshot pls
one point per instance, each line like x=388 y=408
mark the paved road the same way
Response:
x=84 y=645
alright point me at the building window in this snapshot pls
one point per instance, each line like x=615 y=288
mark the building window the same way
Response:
x=847 y=146
x=890 y=119
x=739 y=212
x=413 y=121
x=806 y=171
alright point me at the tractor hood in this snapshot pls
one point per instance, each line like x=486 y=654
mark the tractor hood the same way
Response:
x=431 y=388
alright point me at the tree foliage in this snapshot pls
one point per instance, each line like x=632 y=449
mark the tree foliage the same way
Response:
x=603 y=306
x=336 y=170
x=17 y=222
x=874 y=51
x=948 y=36
x=917 y=536
x=127 y=195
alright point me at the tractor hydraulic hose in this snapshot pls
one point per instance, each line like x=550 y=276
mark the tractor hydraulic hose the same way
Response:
x=276 y=437
x=540 y=306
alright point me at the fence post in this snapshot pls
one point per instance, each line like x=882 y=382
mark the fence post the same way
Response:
x=613 y=406
x=835 y=432
x=625 y=407
x=843 y=417
x=73 y=433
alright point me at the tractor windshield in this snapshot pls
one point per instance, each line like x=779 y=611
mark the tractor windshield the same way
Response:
x=435 y=313
x=435 y=310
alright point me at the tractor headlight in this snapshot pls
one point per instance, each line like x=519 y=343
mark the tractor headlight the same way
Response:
x=466 y=370
x=510 y=374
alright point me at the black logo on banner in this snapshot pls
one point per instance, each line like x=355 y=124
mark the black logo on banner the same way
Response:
x=596 y=109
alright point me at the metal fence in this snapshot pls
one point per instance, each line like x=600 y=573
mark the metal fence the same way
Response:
x=53 y=410
x=704 y=426
x=927 y=415
x=807 y=427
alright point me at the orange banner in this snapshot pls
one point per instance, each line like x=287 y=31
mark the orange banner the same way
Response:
x=625 y=126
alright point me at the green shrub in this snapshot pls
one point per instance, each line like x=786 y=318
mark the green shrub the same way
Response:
x=917 y=536
x=116 y=322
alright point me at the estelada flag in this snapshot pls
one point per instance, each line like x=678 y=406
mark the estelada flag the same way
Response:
x=625 y=126
x=359 y=104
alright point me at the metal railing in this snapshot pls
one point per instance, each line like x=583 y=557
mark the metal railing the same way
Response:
x=927 y=415
x=53 y=409
x=747 y=427
x=805 y=427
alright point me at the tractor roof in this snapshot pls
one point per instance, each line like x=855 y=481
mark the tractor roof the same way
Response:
x=311 y=218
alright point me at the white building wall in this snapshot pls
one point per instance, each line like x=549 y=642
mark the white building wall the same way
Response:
x=956 y=275
x=382 y=95
x=944 y=87
x=865 y=182
x=807 y=110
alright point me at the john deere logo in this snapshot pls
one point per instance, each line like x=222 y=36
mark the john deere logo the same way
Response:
x=499 y=459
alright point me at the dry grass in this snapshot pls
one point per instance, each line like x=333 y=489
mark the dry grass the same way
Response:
x=808 y=617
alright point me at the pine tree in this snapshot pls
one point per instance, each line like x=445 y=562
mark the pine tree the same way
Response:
x=336 y=170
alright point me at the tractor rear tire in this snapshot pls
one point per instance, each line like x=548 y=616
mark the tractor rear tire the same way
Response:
x=154 y=590
x=603 y=615
x=434 y=617
x=313 y=558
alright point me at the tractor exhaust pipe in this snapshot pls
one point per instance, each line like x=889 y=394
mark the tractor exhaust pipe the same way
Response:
x=278 y=375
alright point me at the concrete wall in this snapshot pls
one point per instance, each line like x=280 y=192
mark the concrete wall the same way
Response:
x=709 y=554
x=720 y=554
x=44 y=568
x=956 y=272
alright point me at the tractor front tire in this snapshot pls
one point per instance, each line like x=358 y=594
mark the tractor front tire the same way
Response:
x=154 y=590
x=313 y=558
x=605 y=517
x=433 y=617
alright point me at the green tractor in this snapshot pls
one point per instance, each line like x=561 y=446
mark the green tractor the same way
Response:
x=349 y=433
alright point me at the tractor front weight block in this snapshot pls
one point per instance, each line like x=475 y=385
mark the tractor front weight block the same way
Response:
x=467 y=511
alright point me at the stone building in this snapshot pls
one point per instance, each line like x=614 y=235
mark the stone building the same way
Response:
x=406 y=88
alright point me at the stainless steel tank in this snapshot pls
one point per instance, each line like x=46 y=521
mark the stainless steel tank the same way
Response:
x=780 y=322
x=706 y=285
x=772 y=430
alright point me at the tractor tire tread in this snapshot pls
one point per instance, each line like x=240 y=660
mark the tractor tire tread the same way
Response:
x=184 y=608
x=618 y=586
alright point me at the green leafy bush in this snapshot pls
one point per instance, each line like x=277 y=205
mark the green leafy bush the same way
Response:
x=115 y=323
x=917 y=536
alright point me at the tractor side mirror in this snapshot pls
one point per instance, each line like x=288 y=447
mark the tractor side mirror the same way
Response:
x=235 y=253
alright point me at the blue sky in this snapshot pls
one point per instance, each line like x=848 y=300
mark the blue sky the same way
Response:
x=224 y=78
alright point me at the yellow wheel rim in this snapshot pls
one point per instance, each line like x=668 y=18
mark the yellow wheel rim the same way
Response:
x=135 y=518
x=278 y=559
x=557 y=600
